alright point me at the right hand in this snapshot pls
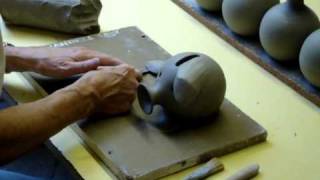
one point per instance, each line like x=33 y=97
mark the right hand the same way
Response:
x=114 y=88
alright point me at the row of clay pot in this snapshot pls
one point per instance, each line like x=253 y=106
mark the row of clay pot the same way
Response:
x=283 y=29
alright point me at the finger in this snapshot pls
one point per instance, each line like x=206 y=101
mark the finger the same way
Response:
x=124 y=107
x=122 y=69
x=110 y=61
x=83 y=66
x=127 y=97
x=138 y=74
x=82 y=53
x=122 y=104
x=130 y=85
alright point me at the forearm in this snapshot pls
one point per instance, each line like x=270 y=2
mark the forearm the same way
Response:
x=25 y=126
x=20 y=59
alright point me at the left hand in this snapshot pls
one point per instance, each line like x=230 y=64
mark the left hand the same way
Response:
x=65 y=62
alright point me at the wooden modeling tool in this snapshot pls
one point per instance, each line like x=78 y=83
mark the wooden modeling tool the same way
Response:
x=246 y=173
x=211 y=167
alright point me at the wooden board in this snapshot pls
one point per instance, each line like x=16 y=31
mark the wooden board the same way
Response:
x=251 y=47
x=132 y=148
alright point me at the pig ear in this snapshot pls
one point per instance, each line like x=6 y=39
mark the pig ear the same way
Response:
x=153 y=67
x=185 y=88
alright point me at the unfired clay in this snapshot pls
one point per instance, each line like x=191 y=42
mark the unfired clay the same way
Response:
x=210 y=5
x=188 y=85
x=244 y=16
x=310 y=58
x=285 y=27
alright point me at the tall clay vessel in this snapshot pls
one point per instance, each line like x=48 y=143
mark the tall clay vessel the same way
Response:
x=210 y=5
x=285 y=27
x=244 y=16
x=188 y=86
x=310 y=58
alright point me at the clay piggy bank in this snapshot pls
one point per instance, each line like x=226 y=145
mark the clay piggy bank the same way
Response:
x=188 y=86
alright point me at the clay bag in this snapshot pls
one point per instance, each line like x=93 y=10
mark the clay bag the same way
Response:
x=69 y=16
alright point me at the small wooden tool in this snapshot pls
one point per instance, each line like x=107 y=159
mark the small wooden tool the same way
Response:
x=211 y=167
x=246 y=173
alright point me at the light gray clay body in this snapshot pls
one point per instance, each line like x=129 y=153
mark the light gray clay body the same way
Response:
x=244 y=16
x=188 y=85
x=310 y=58
x=285 y=27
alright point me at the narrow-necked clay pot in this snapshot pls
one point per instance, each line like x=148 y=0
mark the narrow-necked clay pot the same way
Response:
x=188 y=85
x=285 y=27
x=244 y=16
x=310 y=58
x=210 y=5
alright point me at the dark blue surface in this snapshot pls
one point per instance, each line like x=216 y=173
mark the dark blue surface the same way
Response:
x=6 y=100
x=44 y=163
x=289 y=73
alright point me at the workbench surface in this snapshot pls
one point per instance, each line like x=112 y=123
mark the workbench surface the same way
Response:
x=293 y=147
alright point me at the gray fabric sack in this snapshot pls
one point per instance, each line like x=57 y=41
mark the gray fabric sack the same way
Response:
x=69 y=16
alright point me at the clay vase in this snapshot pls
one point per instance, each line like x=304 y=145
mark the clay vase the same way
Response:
x=188 y=86
x=210 y=5
x=310 y=58
x=244 y=16
x=285 y=27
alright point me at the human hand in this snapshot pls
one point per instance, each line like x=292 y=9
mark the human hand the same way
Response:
x=65 y=62
x=113 y=88
x=57 y=62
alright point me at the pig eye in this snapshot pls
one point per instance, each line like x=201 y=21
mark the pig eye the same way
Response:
x=185 y=59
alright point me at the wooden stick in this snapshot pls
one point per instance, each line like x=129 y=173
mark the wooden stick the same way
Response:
x=246 y=173
x=211 y=167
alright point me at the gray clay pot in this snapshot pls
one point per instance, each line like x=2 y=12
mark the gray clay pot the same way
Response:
x=188 y=85
x=210 y=5
x=244 y=16
x=310 y=58
x=285 y=27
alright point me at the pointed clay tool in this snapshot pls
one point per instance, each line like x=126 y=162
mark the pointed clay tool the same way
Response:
x=246 y=173
x=211 y=167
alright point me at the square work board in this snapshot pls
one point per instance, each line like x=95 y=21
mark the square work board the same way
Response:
x=134 y=149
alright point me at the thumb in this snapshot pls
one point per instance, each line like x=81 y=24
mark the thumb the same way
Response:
x=79 y=67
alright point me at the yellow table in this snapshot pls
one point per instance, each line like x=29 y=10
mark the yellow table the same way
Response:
x=293 y=123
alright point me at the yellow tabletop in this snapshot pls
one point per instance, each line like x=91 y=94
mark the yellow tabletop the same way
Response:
x=293 y=147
